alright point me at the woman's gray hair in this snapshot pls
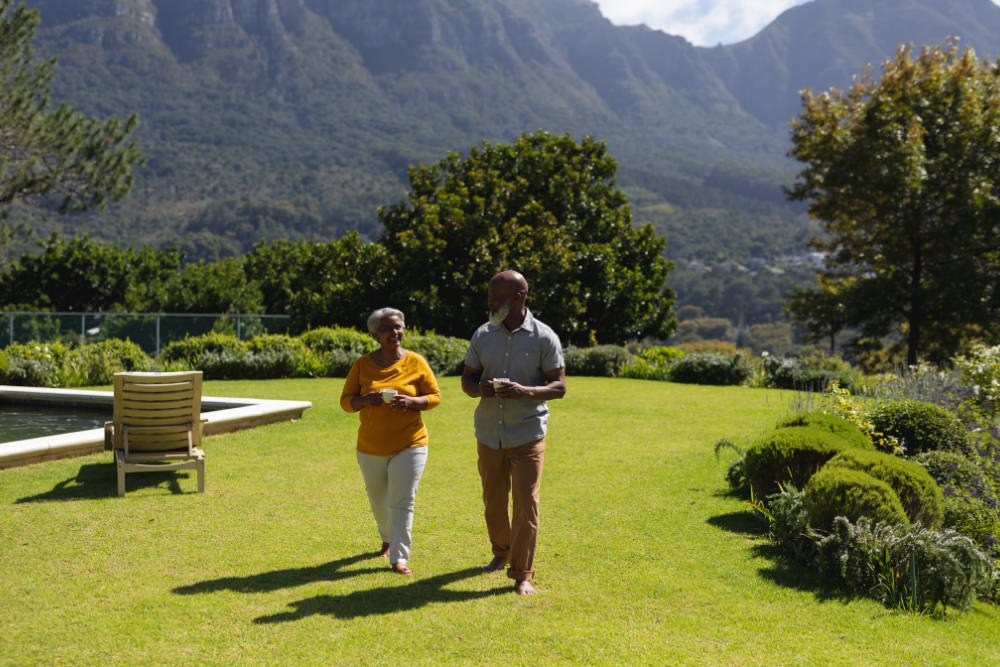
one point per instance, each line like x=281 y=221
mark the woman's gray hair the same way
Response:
x=375 y=319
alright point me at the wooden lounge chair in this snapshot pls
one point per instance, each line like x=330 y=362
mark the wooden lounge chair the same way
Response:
x=157 y=418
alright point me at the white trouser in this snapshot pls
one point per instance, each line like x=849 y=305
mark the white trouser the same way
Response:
x=391 y=482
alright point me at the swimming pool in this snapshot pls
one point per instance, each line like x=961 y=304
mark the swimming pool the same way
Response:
x=21 y=422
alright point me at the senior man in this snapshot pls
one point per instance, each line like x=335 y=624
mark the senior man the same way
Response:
x=513 y=367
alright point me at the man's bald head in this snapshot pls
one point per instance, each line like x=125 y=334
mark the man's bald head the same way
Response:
x=510 y=283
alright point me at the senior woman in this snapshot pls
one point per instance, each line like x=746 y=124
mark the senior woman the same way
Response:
x=392 y=440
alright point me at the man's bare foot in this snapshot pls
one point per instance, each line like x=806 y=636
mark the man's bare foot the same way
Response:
x=524 y=588
x=495 y=565
x=385 y=550
x=399 y=568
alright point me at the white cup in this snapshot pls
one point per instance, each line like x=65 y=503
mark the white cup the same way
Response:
x=499 y=381
x=388 y=395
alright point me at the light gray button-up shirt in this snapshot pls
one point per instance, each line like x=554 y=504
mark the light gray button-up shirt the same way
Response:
x=522 y=356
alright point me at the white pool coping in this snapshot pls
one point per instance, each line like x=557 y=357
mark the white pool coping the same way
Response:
x=232 y=414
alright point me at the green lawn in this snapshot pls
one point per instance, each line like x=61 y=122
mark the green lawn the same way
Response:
x=643 y=558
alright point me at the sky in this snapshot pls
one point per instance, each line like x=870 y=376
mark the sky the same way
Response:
x=702 y=22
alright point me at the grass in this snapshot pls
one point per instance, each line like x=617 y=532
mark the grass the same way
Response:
x=643 y=558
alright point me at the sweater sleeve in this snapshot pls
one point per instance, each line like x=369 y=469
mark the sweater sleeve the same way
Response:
x=352 y=387
x=428 y=385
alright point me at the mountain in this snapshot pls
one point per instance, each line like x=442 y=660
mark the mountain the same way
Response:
x=282 y=118
x=826 y=42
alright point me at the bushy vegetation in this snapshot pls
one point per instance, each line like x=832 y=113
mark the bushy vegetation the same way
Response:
x=598 y=361
x=813 y=371
x=791 y=455
x=711 y=368
x=921 y=427
x=918 y=493
x=824 y=421
x=842 y=492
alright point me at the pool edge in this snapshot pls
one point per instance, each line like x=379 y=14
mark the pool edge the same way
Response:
x=234 y=414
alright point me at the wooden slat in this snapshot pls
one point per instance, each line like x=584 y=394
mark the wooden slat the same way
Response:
x=158 y=405
x=165 y=396
x=185 y=414
x=141 y=421
x=157 y=388
x=165 y=378
x=146 y=439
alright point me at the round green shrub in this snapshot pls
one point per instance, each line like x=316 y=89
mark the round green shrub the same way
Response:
x=192 y=348
x=98 y=362
x=272 y=343
x=827 y=422
x=328 y=339
x=922 y=427
x=712 y=369
x=918 y=492
x=791 y=454
x=444 y=354
x=852 y=494
x=599 y=361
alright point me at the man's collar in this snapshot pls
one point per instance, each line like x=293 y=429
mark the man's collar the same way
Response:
x=527 y=325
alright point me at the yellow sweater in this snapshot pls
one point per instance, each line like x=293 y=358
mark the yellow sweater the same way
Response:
x=385 y=431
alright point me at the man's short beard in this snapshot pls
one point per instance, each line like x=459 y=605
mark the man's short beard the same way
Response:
x=497 y=318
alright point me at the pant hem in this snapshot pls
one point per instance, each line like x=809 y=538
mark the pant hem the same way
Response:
x=519 y=576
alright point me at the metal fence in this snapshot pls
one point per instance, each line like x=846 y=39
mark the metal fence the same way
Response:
x=150 y=331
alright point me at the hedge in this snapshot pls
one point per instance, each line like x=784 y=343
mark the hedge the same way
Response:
x=792 y=454
x=919 y=494
x=840 y=492
x=922 y=427
x=599 y=361
x=712 y=369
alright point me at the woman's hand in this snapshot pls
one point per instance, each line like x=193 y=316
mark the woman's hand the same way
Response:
x=373 y=398
x=403 y=402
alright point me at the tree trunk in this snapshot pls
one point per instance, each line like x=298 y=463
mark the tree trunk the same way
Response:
x=916 y=306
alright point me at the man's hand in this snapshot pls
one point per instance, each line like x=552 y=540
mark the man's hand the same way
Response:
x=486 y=389
x=513 y=391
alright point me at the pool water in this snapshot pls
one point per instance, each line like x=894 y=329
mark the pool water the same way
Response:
x=21 y=422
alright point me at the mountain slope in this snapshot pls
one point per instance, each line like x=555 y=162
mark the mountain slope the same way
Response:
x=825 y=42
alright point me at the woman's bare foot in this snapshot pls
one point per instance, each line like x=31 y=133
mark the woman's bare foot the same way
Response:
x=385 y=550
x=495 y=565
x=524 y=588
x=400 y=568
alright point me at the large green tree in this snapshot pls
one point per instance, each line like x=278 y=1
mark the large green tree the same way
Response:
x=56 y=153
x=543 y=205
x=902 y=172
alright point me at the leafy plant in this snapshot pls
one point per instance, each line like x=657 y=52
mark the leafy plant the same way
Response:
x=792 y=454
x=838 y=401
x=98 y=362
x=598 y=361
x=841 y=492
x=824 y=421
x=921 y=427
x=713 y=369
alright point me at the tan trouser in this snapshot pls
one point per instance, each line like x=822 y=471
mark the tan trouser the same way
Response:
x=519 y=470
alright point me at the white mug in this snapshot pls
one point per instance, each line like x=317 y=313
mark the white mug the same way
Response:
x=388 y=395
x=499 y=381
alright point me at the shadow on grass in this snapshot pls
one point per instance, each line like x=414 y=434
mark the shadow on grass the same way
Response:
x=100 y=480
x=782 y=569
x=742 y=523
x=278 y=579
x=384 y=601
x=787 y=573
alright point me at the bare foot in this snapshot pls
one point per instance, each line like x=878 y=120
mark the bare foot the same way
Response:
x=399 y=568
x=524 y=588
x=495 y=565
x=385 y=550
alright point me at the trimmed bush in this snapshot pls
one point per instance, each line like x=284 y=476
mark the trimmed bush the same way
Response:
x=852 y=494
x=799 y=373
x=275 y=343
x=600 y=361
x=245 y=365
x=712 y=369
x=98 y=362
x=793 y=454
x=971 y=502
x=922 y=427
x=827 y=422
x=444 y=354
x=192 y=348
x=918 y=492
x=328 y=339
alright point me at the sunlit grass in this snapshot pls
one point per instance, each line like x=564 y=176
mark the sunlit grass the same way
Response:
x=643 y=558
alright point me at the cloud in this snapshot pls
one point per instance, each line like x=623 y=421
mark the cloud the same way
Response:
x=702 y=22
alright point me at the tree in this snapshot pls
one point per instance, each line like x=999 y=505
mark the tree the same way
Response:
x=902 y=174
x=60 y=153
x=83 y=275
x=545 y=206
